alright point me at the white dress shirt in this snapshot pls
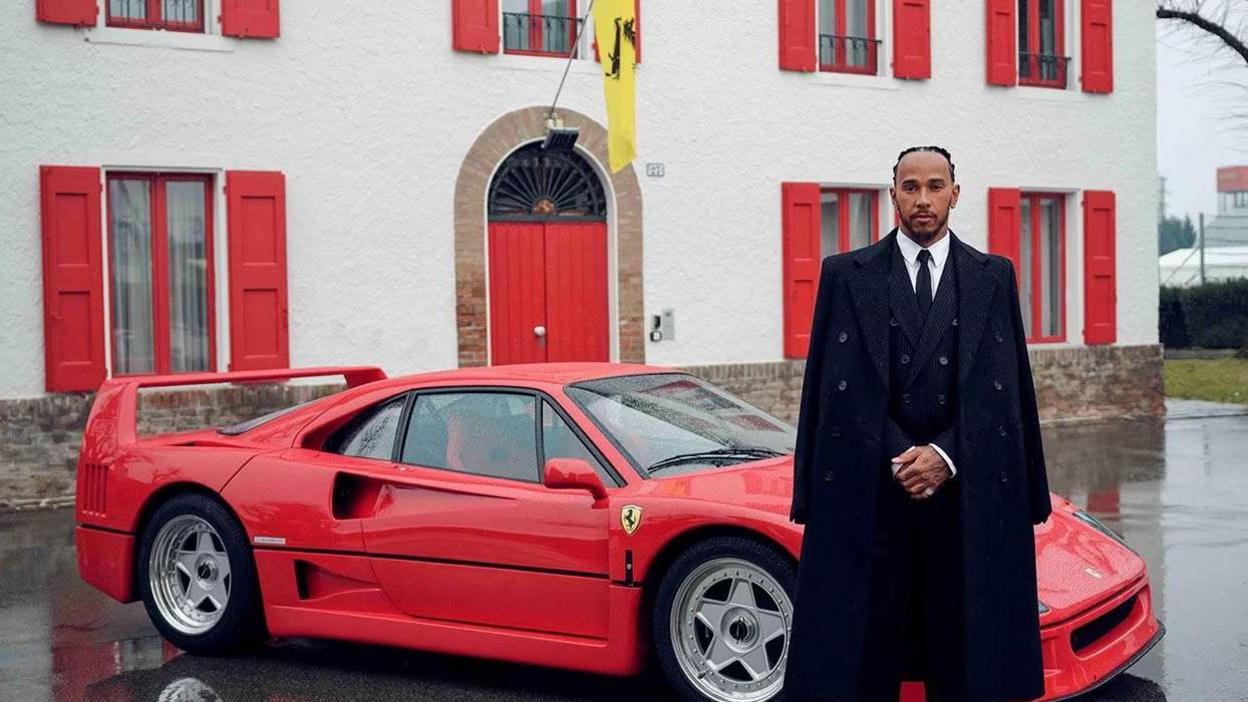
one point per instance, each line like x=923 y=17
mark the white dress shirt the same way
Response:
x=940 y=254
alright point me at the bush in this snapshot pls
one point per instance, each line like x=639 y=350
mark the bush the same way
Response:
x=1172 y=322
x=1215 y=315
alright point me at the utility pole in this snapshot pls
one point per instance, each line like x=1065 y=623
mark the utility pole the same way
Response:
x=1202 y=248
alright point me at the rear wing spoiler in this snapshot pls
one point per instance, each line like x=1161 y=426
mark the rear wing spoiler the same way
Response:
x=113 y=421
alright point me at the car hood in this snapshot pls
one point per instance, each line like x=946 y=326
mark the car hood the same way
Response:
x=1076 y=565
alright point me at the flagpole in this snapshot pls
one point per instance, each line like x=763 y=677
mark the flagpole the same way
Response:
x=576 y=44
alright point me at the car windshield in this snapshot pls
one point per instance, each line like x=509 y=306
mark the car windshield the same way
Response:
x=676 y=422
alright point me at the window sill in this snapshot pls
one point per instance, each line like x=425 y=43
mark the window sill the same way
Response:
x=857 y=80
x=552 y=64
x=189 y=41
x=1035 y=92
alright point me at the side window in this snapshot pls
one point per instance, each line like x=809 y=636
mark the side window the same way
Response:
x=371 y=434
x=483 y=433
x=559 y=441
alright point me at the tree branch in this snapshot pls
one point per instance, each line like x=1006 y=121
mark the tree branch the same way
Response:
x=1197 y=20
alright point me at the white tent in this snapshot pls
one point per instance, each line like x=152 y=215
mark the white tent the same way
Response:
x=1181 y=268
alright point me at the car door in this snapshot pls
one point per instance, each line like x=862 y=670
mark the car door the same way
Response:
x=460 y=527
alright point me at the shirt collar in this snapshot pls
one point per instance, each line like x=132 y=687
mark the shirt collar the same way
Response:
x=910 y=250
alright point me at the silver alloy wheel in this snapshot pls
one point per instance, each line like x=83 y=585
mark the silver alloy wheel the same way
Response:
x=730 y=630
x=189 y=574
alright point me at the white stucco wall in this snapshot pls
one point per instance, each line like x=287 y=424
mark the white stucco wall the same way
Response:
x=368 y=112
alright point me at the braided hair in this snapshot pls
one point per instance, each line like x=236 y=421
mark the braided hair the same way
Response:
x=936 y=149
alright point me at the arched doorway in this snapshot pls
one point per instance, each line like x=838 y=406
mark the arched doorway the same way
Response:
x=548 y=268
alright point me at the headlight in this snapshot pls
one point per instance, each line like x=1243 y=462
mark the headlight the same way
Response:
x=1100 y=526
x=1043 y=607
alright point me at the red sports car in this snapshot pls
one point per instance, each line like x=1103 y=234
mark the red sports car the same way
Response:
x=578 y=515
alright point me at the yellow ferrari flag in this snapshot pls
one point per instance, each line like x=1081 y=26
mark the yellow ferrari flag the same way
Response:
x=615 y=28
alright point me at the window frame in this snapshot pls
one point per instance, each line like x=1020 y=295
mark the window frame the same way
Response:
x=370 y=411
x=843 y=216
x=1037 y=270
x=1033 y=44
x=538 y=396
x=535 y=32
x=838 y=64
x=155 y=19
x=161 y=342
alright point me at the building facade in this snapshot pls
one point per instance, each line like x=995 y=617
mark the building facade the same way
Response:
x=230 y=184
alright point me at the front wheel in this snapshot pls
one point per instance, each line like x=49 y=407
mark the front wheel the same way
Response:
x=198 y=578
x=722 y=618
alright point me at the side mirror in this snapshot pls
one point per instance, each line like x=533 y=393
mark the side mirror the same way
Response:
x=573 y=473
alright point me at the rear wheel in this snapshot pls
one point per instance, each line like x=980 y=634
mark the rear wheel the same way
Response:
x=198 y=578
x=722 y=617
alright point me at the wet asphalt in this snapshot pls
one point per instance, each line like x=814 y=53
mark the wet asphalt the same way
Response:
x=1177 y=489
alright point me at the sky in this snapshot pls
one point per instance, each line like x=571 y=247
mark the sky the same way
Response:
x=1200 y=90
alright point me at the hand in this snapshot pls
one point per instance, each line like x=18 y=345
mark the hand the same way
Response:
x=922 y=471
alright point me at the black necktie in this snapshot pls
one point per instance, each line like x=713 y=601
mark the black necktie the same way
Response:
x=923 y=286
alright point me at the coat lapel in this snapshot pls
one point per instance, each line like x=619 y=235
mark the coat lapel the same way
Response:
x=975 y=292
x=869 y=290
x=939 y=318
x=902 y=298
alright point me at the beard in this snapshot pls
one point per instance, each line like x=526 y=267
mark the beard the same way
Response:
x=925 y=231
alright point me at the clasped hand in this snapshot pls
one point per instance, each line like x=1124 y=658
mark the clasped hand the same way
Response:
x=922 y=471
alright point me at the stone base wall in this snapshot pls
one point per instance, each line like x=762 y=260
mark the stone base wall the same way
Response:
x=39 y=438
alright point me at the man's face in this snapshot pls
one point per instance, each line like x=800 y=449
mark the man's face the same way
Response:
x=923 y=194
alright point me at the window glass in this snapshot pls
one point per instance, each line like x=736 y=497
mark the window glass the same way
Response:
x=130 y=248
x=372 y=434
x=559 y=441
x=1050 y=244
x=860 y=205
x=483 y=433
x=830 y=222
x=1024 y=261
x=188 y=275
x=181 y=11
x=128 y=9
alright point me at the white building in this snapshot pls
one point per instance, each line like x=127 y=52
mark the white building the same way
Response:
x=347 y=183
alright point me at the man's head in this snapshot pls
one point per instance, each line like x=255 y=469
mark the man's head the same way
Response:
x=924 y=191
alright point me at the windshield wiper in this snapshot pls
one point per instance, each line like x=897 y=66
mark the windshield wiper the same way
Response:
x=727 y=452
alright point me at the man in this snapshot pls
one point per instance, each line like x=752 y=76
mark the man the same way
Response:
x=918 y=470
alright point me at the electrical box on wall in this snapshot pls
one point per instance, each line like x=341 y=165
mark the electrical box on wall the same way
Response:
x=663 y=325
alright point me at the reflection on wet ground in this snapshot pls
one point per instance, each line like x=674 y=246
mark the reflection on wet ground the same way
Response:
x=1177 y=490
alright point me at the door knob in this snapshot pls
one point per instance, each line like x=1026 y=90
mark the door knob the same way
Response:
x=539 y=331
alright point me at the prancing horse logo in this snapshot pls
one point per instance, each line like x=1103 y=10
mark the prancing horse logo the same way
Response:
x=630 y=517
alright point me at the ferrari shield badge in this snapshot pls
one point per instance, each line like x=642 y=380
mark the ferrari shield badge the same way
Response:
x=630 y=517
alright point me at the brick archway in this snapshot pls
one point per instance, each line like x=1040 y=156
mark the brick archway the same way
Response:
x=471 y=186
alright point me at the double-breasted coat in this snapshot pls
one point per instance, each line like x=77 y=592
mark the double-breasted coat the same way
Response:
x=840 y=447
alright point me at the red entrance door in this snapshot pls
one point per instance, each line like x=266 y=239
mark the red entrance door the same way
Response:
x=548 y=292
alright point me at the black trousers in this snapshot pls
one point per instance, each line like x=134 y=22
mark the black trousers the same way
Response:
x=916 y=605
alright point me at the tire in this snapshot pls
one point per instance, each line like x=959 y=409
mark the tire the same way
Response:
x=745 y=587
x=198 y=578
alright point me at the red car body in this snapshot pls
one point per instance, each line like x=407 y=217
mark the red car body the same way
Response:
x=371 y=551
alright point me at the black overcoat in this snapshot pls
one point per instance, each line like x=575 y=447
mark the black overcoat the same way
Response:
x=844 y=405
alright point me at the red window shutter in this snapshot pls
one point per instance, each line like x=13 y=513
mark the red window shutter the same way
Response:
x=797 y=35
x=912 y=44
x=73 y=279
x=1004 y=226
x=1100 y=292
x=82 y=13
x=259 y=326
x=802 y=259
x=1002 y=42
x=476 y=26
x=250 y=18
x=1097 y=38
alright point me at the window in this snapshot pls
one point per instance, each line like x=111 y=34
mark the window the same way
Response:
x=484 y=433
x=174 y=15
x=847 y=42
x=1042 y=269
x=559 y=441
x=372 y=434
x=848 y=219
x=1041 y=37
x=161 y=273
x=540 y=27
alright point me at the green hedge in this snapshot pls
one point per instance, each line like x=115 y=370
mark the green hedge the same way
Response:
x=1210 y=316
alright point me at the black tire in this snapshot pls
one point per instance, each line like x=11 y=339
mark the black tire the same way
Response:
x=761 y=555
x=240 y=622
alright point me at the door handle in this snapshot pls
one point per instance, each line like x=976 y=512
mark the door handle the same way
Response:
x=539 y=331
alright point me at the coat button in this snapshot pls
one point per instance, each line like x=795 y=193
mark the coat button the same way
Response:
x=836 y=430
x=997 y=384
x=827 y=476
x=892 y=321
x=954 y=322
x=943 y=360
x=1001 y=430
x=940 y=399
x=1005 y=478
x=905 y=398
x=999 y=337
x=905 y=358
x=842 y=385
x=842 y=337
